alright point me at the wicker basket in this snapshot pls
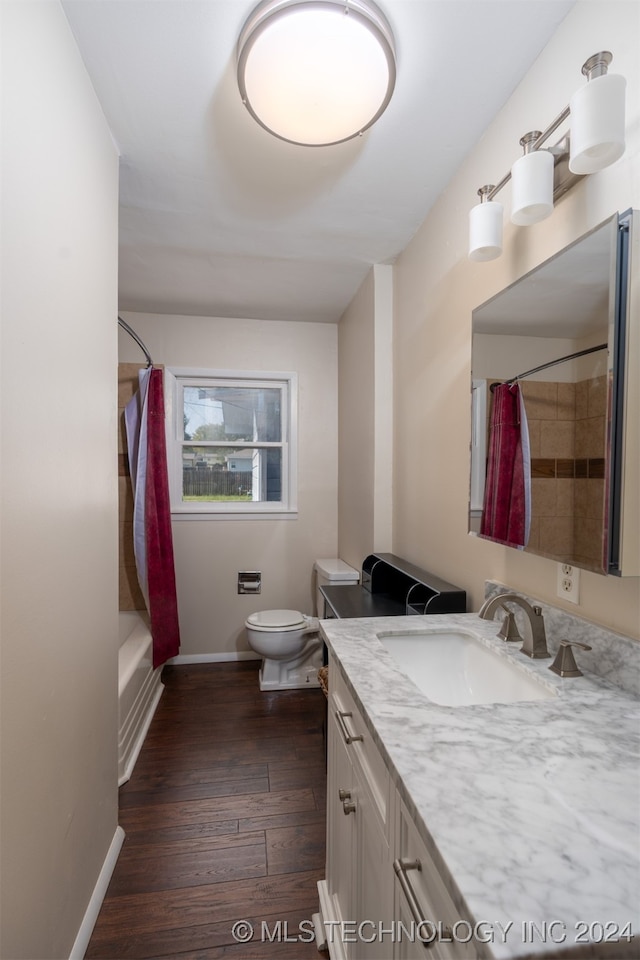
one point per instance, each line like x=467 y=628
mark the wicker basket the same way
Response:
x=323 y=680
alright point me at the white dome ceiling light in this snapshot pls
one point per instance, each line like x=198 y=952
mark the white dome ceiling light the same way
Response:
x=316 y=72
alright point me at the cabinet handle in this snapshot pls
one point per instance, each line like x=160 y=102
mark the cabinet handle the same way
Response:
x=344 y=794
x=401 y=866
x=348 y=737
x=348 y=806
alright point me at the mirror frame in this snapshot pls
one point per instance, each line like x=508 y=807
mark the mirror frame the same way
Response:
x=623 y=547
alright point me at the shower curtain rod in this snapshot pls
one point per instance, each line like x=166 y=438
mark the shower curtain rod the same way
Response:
x=132 y=333
x=551 y=363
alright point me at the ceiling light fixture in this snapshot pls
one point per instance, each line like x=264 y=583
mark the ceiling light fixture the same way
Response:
x=316 y=72
x=595 y=140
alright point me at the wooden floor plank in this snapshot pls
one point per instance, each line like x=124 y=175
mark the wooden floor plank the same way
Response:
x=251 y=951
x=290 y=849
x=268 y=932
x=191 y=863
x=147 y=777
x=228 y=902
x=297 y=773
x=286 y=819
x=188 y=831
x=201 y=751
x=224 y=821
x=217 y=808
x=195 y=791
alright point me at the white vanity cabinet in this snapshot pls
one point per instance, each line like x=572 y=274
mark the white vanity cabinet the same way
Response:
x=357 y=896
x=368 y=828
x=436 y=785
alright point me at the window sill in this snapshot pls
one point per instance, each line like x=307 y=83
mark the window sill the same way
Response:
x=234 y=515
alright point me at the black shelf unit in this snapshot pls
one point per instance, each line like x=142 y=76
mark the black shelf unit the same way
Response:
x=391 y=586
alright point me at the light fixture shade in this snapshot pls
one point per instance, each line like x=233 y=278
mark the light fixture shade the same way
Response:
x=597 y=124
x=316 y=72
x=485 y=230
x=532 y=188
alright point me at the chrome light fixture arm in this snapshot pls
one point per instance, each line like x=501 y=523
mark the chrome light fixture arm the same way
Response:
x=559 y=151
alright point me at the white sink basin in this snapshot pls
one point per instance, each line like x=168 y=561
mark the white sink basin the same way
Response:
x=453 y=668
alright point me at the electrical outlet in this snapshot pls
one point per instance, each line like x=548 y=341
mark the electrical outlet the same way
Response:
x=569 y=582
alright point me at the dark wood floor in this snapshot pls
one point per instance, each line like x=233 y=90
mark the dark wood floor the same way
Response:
x=225 y=821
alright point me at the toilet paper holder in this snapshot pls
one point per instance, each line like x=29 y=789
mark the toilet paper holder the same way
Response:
x=249 y=581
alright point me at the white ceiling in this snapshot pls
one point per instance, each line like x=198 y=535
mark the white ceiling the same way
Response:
x=218 y=218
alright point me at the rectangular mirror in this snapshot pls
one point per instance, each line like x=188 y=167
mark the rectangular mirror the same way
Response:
x=567 y=334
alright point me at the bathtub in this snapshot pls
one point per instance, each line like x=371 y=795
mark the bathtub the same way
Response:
x=139 y=689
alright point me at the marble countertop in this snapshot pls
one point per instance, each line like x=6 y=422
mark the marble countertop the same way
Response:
x=531 y=811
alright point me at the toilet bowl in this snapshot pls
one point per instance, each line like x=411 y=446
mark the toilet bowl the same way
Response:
x=290 y=647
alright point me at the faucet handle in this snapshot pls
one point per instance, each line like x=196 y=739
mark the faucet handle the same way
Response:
x=509 y=630
x=565 y=663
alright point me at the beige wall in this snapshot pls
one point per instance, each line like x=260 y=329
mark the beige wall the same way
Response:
x=365 y=348
x=436 y=289
x=356 y=429
x=59 y=507
x=209 y=553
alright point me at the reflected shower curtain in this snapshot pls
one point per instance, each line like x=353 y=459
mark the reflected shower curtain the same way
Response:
x=506 y=514
x=152 y=538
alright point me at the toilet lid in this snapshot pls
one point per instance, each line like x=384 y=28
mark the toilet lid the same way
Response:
x=276 y=618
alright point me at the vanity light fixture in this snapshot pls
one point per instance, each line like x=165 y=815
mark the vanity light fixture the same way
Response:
x=597 y=117
x=595 y=140
x=485 y=226
x=531 y=183
x=316 y=72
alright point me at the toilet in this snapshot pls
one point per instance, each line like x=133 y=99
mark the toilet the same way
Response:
x=288 y=641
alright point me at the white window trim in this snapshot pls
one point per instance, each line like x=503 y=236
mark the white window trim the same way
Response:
x=231 y=511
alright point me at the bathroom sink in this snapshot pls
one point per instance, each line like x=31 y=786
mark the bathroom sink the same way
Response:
x=453 y=668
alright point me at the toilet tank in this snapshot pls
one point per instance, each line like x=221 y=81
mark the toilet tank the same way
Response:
x=335 y=572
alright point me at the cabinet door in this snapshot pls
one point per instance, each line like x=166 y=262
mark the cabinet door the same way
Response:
x=373 y=879
x=408 y=946
x=359 y=872
x=340 y=838
x=431 y=900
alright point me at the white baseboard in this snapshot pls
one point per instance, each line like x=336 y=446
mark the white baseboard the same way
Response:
x=214 y=657
x=91 y=913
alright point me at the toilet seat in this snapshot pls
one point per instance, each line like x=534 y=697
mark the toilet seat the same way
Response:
x=277 y=620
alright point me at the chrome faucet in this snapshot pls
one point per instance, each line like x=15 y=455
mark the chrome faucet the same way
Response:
x=535 y=643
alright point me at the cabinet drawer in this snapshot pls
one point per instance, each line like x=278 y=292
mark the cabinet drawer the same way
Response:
x=363 y=751
x=431 y=898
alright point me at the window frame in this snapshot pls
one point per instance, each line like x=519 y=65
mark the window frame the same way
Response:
x=287 y=381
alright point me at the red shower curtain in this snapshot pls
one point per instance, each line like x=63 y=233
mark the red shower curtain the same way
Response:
x=163 y=604
x=504 y=514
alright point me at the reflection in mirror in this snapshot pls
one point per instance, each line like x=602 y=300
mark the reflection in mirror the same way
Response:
x=565 y=306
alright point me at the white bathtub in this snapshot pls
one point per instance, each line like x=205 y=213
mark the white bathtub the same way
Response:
x=139 y=689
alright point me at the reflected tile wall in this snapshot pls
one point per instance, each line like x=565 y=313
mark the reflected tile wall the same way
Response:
x=567 y=424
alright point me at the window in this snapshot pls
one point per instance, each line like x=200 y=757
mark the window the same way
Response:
x=231 y=443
